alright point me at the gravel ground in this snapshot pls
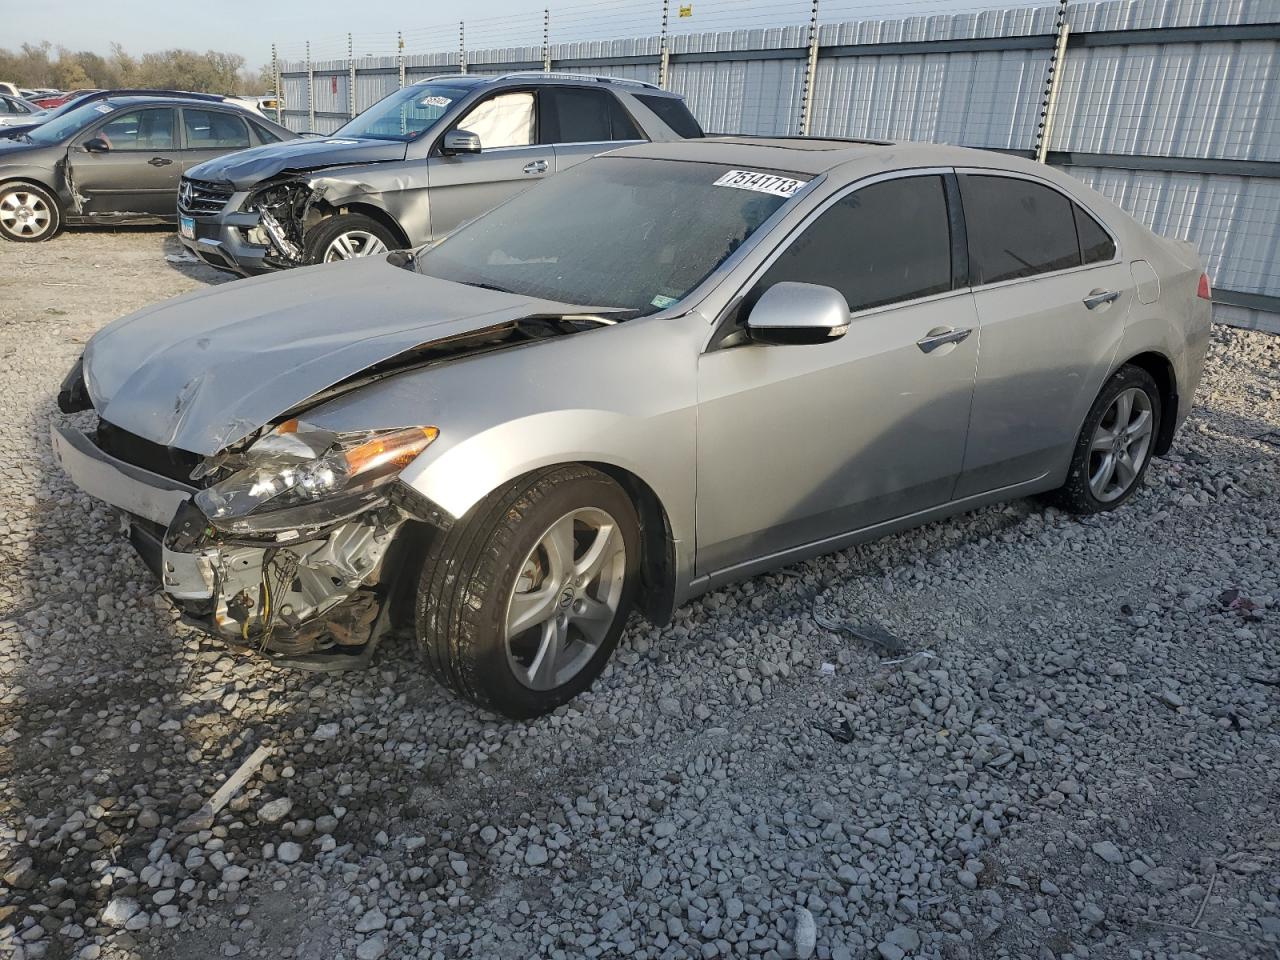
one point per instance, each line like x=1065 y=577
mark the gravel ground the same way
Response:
x=1066 y=743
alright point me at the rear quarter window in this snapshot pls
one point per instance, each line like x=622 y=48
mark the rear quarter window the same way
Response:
x=674 y=113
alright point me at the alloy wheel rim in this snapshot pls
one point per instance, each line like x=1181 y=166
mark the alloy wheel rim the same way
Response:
x=353 y=244
x=1120 y=445
x=565 y=598
x=24 y=214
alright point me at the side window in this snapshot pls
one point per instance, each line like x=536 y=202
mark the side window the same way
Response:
x=1096 y=245
x=1017 y=228
x=265 y=135
x=150 y=129
x=214 y=130
x=882 y=244
x=506 y=120
x=572 y=115
x=674 y=113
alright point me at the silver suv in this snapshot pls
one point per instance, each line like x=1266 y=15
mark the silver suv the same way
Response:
x=413 y=167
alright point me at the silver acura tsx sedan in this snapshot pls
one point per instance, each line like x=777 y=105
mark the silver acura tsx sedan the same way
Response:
x=673 y=366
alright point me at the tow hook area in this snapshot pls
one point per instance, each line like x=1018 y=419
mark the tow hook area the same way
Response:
x=317 y=602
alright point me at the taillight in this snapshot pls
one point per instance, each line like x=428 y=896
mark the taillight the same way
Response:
x=1203 y=291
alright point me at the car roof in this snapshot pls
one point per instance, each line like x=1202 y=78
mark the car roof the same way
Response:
x=553 y=78
x=169 y=101
x=817 y=155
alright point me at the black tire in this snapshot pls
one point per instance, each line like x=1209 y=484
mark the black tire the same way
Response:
x=48 y=204
x=320 y=237
x=1077 y=494
x=469 y=573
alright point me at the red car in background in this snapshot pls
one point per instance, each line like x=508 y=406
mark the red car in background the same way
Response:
x=59 y=99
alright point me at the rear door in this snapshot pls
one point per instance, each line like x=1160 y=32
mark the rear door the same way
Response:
x=1052 y=297
x=511 y=159
x=582 y=122
x=210 y=133
x=139 y=173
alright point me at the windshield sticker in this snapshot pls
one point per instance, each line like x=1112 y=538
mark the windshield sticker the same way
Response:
x=104 y=108
x=662 y=302
x=434 y=102
x=760 y=182
x=341 y=143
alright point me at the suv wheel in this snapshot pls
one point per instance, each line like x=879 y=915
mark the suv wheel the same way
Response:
x=346 y=237
x=521 y=604
x=28 y=214
x=1115 y=444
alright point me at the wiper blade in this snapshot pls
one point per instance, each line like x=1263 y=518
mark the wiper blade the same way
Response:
x=487 y=286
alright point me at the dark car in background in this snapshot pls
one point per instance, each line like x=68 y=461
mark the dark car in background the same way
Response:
x=413 y=167
x=15 y=110
x=18 y=125
x=116 y=160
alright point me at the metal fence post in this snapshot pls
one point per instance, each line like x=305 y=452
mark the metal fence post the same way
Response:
x=462 y=46
x=400 y=55
x=664 y=51
x=351 y=78
x=275 y=79
x=1049 y=101
x=810 y=73
x=311 y=92
x=546 y=40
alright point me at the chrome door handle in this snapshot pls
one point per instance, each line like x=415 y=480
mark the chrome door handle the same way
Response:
x=1099 y=297
x=941 y=337
x=159 y=161
x=536 y=166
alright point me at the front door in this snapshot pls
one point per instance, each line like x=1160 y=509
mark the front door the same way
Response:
x=510 y=160
x=1052 y=298
x=797 y=444
x=137 y=173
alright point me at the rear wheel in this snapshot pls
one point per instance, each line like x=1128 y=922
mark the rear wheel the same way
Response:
x=1115 y=444
x=28 y=214
x=521 y=604
x=347 y=236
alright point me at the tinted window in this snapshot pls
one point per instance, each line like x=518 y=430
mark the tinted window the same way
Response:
x=506 y=120
x=214 y=130
x=1096 y=245
x=1017 y=228
x=265 y=135
x=882 y=244
x=139 y=130
x=584 y=116
x=673 y=112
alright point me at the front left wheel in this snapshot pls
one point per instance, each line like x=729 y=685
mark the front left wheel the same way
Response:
x=521 y=603
x=347 y=236
x=28 y=214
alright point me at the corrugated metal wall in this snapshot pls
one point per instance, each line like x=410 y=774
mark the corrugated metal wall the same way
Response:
x=976 y=79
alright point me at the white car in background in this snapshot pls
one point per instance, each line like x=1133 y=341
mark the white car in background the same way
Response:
x=265 y=105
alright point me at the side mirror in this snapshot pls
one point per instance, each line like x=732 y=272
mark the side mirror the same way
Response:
x=460 y=141
x=790 y=314
x=96 y=145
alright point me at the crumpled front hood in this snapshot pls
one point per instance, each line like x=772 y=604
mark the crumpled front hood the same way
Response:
x=244 y=168
x=206 y=370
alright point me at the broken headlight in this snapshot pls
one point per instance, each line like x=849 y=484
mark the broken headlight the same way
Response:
x=298 y=476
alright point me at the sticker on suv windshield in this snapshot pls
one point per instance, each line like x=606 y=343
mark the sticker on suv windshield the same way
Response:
x=434 y=102
x=760 y=182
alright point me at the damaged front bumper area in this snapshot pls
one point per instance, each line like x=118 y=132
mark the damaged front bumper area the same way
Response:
x=312 y=598
x=248 y=232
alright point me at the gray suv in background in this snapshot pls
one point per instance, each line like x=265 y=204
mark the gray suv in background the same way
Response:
x=413 y=167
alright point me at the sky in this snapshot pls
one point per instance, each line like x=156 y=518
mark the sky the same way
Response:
x=250 y=28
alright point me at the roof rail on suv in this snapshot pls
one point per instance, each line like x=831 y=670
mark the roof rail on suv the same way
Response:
x=555 y=75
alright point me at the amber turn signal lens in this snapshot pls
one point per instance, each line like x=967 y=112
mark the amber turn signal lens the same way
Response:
x=395 y=450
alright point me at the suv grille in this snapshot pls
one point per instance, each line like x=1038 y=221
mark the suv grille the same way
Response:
x=203 y=197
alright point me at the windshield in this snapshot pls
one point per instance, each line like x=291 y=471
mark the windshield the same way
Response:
x=63 y=125
x=614 y=232
x=406 y=114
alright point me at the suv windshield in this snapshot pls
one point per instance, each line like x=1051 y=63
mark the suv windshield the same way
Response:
x=63 y=125
x=614 y=232
x=406 y=114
